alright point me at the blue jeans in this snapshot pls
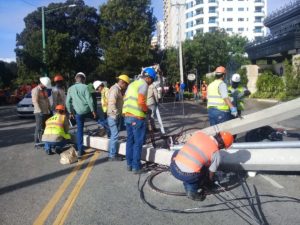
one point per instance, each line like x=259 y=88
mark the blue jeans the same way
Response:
x=49 y=145
x=181 y=95
x=216 y=116
x=104 y=123
x=114 y=135
x=136 y=131
x=79 y=135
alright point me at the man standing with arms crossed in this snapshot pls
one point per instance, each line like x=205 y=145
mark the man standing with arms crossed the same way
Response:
x=41 y=106
x=114 y=114
x=135 y=110
x=80 y=104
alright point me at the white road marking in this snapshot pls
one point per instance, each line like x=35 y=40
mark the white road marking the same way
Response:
x=273 y=182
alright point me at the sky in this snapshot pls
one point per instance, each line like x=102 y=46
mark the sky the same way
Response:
x=12 y=13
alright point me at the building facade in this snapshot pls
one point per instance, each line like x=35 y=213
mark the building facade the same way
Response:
x=160 y=34
x=284 y=39
x=244 y=17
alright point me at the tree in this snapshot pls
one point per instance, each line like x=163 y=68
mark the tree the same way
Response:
x=125 y=35
x=8 y=72
x=71 y=37
x=206 y=52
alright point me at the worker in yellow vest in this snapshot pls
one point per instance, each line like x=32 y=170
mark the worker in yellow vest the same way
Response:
x=219 y=105
x=56 y=131
x=103 y=90
x=237 y=93
x=135 y=110
x=198 y=160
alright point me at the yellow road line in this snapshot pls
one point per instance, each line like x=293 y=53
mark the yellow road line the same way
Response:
x=56 y=197
x=64 y=212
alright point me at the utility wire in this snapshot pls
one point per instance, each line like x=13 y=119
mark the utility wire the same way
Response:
x=29 y=3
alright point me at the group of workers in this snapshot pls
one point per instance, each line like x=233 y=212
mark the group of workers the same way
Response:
x=197 y=161
x=124 y=101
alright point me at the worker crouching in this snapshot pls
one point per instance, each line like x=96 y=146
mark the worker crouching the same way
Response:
x=198 y=160
x=56 y=131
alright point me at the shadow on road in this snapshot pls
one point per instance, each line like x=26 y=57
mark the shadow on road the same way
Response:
x=27 y=183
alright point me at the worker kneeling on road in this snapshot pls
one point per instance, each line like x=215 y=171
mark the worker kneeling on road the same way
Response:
x=198 y=160
x=56 y=132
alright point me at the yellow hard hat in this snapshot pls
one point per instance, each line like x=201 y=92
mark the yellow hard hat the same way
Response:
x=125 y=78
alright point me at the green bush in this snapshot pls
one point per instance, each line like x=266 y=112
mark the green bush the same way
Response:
x=292 y=80
x=188 y=95
x=270 y=86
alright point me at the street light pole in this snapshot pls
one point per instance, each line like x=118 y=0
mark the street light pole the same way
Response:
x=44 y=34
x=44 y=42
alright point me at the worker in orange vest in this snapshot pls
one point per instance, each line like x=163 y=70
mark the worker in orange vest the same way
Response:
x=198 y=160
x=204 y=91
x=195 y=92
x=177 y=89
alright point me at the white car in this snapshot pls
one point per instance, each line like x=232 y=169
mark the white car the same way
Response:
x=25 y=107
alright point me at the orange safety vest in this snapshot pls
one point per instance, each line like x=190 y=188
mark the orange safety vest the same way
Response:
x=196 y=152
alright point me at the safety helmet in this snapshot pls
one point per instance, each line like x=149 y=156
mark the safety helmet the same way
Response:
x=236 y=78
x=150 y=72
x=224 y=139
x=58 y=77
x=220 y=70
x=80 y=74
x=124 y=78
x=97 y=83
x=45 y=81
x=60 y=107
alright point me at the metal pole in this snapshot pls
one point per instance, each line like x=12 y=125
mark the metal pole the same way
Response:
x=44 y=42
x=180 y=50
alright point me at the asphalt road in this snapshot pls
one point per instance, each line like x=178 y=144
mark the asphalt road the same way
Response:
x=36 y=188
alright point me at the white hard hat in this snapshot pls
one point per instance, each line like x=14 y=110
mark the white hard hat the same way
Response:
x=80 y=74
x=45 y=81
x=236 y=78
x=97 y=83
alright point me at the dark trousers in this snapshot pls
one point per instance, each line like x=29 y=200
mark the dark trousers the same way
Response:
x=191 y=181
x=40 y=123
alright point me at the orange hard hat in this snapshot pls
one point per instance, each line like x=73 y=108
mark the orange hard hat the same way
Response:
x=220 y=70
x=227 y=138
x=58 y=77
x=224 y=139
x=60 y=107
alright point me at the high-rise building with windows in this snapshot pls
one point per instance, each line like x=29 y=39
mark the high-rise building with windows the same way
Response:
x=244 y=17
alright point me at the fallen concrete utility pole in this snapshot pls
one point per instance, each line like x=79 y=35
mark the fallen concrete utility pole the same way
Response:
x=258 y=119
x=266 y=145
x=269 y=159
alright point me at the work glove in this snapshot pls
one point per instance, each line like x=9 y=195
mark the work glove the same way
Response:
x=233 y=111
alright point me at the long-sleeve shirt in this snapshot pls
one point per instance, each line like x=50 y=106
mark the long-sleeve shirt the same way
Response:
x=115 y=101
x=58 y=96
x=79 y=99
x=152 y=96
x=40 y=100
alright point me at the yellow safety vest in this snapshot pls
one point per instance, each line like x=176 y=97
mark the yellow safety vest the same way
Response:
x=131 y=100
x=104 y=99
x=55 y=125
x=240 y=101
x=214 y=98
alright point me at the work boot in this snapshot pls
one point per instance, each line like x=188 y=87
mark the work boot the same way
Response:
x=115 y=158
x=129 y=168
x=195 y=196
x=139 y=171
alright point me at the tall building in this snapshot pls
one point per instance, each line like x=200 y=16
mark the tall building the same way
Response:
x=244 y=17
x=160 y=34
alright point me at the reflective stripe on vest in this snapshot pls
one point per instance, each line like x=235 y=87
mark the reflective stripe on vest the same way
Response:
x=131 y=100
x=55 y=125
x=214 y=98
x=240 y=101
x=197 y=152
